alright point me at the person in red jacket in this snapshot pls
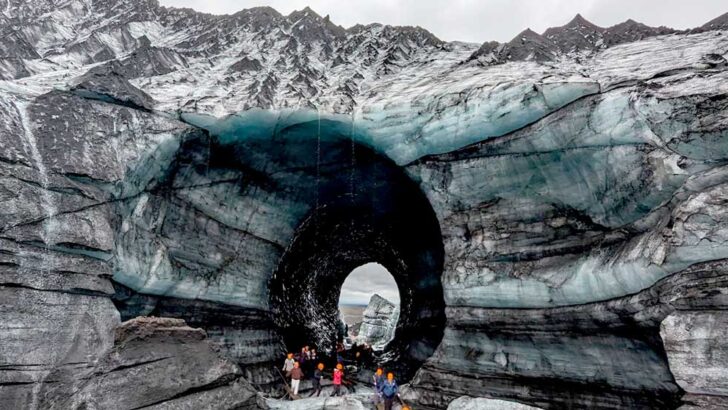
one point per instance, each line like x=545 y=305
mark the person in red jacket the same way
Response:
x=338 y=376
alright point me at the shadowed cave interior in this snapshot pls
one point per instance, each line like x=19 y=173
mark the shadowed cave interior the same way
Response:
x=346 y=204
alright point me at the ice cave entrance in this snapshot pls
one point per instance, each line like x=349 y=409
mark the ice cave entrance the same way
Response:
x=369 y=307
x=309 y=204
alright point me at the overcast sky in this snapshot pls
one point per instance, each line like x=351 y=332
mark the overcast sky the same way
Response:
x=483 y=20
x=367 y=280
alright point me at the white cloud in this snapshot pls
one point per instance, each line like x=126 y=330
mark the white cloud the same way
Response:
x=483 y=20
x=367 y=280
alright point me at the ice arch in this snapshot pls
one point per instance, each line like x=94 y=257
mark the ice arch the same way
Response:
x=385 y=218
x=250 y=229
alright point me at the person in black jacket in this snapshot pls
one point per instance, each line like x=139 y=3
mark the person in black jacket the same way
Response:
x=317 y=375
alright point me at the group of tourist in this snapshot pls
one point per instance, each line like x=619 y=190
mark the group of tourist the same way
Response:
x=294 y=368
x=385 y=387
x=297 y=366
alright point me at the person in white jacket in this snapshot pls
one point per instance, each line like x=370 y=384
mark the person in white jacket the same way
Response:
x=288 y=364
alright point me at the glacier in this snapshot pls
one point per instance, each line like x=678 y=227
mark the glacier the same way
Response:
x=556 y=222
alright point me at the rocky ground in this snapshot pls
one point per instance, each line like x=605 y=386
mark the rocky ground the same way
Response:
x=158 y=363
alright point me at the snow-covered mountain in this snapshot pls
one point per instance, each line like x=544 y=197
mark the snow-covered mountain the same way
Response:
x=577 y=39
x=270 y=60
x=260 y=58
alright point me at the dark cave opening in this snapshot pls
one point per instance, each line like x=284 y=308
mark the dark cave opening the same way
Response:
x=346 y=205
x=368 y=210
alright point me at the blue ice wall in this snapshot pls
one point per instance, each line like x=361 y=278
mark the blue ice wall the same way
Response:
x=405 y=132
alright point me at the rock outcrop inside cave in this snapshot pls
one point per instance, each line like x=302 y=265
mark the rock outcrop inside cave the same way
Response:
x=378 y=323
x=158 y=363
x=557 y=232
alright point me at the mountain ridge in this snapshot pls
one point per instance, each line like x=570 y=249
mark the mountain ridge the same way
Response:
x=99 y=32
x=260 y=58
x=578 y=36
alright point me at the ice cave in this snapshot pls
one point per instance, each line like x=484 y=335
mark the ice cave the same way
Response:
x=183 y=195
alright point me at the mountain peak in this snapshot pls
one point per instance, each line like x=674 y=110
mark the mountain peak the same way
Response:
x=259 y=10
x=305 y=12
x=578 y=23
x=629 y=24
x=527 y=33
x=311 y=26
x=578 y=19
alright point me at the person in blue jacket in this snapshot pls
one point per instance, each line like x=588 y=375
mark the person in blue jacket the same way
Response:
x=389 y=391
x=378 y=379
